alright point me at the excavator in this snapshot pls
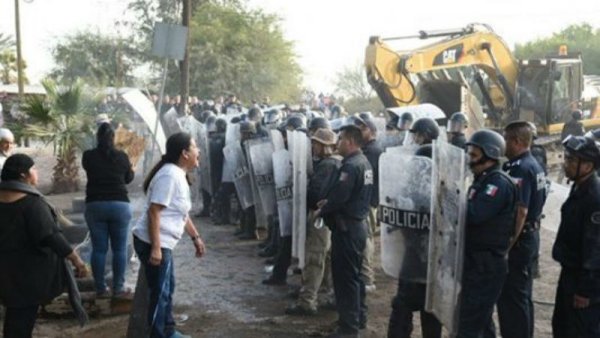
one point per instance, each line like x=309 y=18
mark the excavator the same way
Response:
x=472 y=70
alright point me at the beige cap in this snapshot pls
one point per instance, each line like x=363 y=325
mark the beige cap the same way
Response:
x=102 y=118
x=325 y=136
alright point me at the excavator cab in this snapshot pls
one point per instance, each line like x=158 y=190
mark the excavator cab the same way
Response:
x=548 y=90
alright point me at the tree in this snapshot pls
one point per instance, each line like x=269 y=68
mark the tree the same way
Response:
x=8 y=60
x=63 y=118
x=352 y=83
x=6 y=41
x=95 y=58
x=578 y=38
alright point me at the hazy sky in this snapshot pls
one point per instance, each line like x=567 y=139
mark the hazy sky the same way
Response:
x=329 y=34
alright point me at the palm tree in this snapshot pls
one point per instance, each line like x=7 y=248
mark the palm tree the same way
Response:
x=63 y=118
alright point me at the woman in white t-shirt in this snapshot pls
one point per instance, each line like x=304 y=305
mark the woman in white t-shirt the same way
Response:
x=163 y=221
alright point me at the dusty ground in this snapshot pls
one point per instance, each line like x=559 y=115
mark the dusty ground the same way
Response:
x=223 y=296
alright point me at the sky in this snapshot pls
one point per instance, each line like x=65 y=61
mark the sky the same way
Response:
x=328 y=34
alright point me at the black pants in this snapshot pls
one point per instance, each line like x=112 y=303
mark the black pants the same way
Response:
x=568 y=321
x=283 y=259
x=409 y=298
x=223 y=202
x=346 y=260
x=249 y=220
x=515 y=305
x=206 y=199
x=483 y=277
x=19 y=322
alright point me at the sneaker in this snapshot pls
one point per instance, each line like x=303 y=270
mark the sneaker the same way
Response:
x=370 y=288
x=126 y=294
x=297 y=310
x=178 y=334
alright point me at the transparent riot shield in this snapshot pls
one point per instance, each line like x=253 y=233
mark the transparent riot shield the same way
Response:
x=261 y=217
x=299 y=150
x=262 y=167
x=446 y=238
x=232 y=135
x=277 y=139
x=404 y=212
x=198 y=131
x=391 y=138
x=282 y=173
x=241 y=175
x=171 y=123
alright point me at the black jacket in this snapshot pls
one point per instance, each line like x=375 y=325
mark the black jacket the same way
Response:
x=321 y=180
x=106 y=176
x=372 y=151
x=577 y=245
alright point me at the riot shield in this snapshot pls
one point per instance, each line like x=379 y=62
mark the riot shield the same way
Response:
x=282 y=174
x=232 y=136
x=277 y=139
x=217 y=161
x=299 y=150
x=262 y=169
x=171 y=123
x=404 y=212
x=241 y=176
x=198 y=131
x=446 y=237
x=261 y=217
x=391 y=138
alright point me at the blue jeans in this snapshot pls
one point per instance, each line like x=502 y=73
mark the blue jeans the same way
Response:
x=161 y=285
x=108 y=220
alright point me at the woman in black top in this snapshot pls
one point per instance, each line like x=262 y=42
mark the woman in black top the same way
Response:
x=108 y=212
x=31 y=248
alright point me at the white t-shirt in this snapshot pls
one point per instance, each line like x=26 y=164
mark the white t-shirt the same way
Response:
x=169 y=188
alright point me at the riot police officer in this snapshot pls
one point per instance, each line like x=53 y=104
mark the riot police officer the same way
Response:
x=577 y=245
x=491 y=211
x=348 y=204
x=272 y=118
x=318 y=123
x=410 y=296
x=457 y=124
x=515 y=305
x=255 y=115
x=248 y=221
x=217 y=143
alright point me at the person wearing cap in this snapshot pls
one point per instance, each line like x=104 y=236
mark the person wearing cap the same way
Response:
x=491 y=210
x=7 y=142
x=318 y=237
x=372 y=151
x=577 y=244
x=102 y=118
x=348 y=203
x=515 y=305
x=32 y=248
x=574 y=126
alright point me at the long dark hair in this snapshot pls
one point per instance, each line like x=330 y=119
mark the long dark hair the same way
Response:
x=105 y=137
x=176 y=144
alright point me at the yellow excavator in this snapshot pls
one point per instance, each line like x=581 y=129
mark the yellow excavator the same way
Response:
x=472 y=70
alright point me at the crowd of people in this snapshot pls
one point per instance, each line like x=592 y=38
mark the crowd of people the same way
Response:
x=333 y=217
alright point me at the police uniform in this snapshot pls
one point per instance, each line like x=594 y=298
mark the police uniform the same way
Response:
x=459 y=140
x=491 y=211
x=348 y=202
x=372 y=151
x=515 y=305
x=577 y=249
x=216 y=145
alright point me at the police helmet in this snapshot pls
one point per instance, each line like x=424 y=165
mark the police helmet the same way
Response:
x=584 y=148
x=221 y=125
x=204 y=116
x=318 y=123
x=247 y=127
x=404 y=122
x=490 y=142
x=294 y=122
x=255 y=114
x=577 y=115
x=272 y=116
x=457 y=122
x=427 y=127
x=211 y=123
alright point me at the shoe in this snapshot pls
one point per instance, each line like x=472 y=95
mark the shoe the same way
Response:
x=103 y=294
x=238 y=232
x=274 y=281
x=270 y=261
x=370 y=288
x=297 y=271
x=297 y=310
x=267 y=252
x=294 y=294
x=178 y=334
x=248 y=236
x=263 y=245
x=328 y=305
x=126 y=294
x=204 y=213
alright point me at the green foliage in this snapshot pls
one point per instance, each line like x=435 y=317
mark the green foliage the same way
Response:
x=95 y=58
x=243 y=51
x=8 y=60
x=578 y=38
x=358 y=95
x=6 y=41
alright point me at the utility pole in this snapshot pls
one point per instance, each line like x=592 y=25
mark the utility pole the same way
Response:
x=185 y=64
x=19 y=56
